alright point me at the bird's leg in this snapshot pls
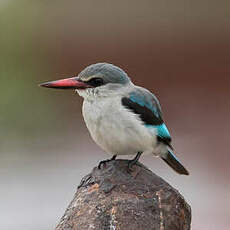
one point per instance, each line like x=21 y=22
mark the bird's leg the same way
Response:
x=105 y=161
x=113 y=158
x=134 y=161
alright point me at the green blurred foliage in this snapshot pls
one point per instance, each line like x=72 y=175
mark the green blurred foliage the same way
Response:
x=23 y=61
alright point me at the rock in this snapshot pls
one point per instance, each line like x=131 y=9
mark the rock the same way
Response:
x=112 y=198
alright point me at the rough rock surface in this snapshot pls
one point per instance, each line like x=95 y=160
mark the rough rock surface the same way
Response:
x=112 y=198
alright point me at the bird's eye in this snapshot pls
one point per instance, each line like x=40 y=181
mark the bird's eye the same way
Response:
x=96 y=82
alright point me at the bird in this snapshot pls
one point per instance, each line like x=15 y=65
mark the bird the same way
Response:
x=122 y=118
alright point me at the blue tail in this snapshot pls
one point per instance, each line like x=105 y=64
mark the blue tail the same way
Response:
x=174 y=163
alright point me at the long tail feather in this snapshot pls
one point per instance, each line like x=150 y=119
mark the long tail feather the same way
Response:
x=174 y=163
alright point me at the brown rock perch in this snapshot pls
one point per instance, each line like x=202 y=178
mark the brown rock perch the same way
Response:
x=112 y=198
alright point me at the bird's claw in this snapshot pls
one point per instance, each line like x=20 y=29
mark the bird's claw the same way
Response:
x=130 y=166
x=105 y=161
x=102 y=163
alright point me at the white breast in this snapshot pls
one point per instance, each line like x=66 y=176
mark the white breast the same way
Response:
x=114 y=128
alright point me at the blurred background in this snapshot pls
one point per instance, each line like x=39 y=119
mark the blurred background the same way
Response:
x=177 y=49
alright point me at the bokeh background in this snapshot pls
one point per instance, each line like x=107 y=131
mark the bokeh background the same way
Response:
x=177 y=49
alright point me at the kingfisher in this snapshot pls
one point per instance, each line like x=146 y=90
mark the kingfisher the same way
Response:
x=122 y=118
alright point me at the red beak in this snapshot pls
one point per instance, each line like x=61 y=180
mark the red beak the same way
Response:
x=68 y=83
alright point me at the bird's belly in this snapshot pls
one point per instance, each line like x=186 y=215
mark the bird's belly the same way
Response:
x=116 y=130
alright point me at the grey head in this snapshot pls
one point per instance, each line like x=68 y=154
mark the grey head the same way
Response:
x=103 y=73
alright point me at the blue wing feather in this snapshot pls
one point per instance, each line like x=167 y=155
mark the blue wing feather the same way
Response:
x=145 y=104
x=148 y=101
x=162 y=131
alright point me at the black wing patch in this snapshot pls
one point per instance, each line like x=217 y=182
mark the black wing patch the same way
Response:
x=146 y=115
x=165 y=140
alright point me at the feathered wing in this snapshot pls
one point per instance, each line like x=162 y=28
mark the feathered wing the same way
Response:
x=140 y=101
x=145 y=104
